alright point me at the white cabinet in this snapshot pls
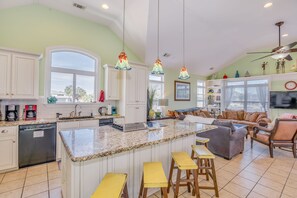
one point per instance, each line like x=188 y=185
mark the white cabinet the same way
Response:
x=111 y=83
x=135 y=113
x=71 y=125
x=5 y=62
x=8 y=148
x=20 y=76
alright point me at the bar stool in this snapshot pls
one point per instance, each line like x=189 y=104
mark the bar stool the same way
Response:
x=202 y=140
x=183 y=163
x=203 y=154
x=153 y=177
x=113 y=185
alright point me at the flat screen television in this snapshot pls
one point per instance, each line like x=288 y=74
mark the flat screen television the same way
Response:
x=283 y=99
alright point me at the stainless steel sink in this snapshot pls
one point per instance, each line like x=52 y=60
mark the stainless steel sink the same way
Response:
x=76 y=118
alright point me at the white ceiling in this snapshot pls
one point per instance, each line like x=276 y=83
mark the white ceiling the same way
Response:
x=217 y=31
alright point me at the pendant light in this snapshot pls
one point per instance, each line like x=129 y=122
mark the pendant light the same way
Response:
x=183 y=75
x=123 y=63
x=158 y=68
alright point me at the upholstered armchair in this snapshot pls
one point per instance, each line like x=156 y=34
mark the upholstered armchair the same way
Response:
x=283 y=134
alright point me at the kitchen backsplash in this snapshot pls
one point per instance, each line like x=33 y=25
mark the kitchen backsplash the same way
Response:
x=50 y=110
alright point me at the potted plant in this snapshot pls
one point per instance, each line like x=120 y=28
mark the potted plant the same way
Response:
x=152 y=94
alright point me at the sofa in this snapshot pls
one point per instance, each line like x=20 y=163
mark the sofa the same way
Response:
x=251 y=119
x=181 y=113
x=226 y=140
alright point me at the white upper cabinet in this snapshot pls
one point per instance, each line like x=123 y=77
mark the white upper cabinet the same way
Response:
x=111 y=83
x=5 y=62
x=20 y=79
x=131 y=87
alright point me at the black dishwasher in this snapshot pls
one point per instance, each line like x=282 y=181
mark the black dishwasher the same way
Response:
x=37 y=144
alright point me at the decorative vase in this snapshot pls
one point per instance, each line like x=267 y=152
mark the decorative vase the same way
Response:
x=237 y=74
x=151 y=114
x=225 y=76
x=247 y=74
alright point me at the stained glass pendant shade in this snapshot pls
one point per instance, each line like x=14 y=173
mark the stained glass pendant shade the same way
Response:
x=123 y=63
x=183 y=75
x=158 y=68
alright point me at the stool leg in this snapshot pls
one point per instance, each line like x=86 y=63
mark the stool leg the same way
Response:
x=192 y=155
x=188 y=177
x=177 y=183
x=196 y=190
x=206 y=145
x=206 y=164
x=141 y=187
x=125 y=191
x=214 y=177
x=144 y=193
x=170 y=175
x=164 y=192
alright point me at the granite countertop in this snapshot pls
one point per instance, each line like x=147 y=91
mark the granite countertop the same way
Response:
x=90 y=143
x=52 y=120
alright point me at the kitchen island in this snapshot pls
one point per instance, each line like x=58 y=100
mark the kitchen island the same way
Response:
x=89 y=153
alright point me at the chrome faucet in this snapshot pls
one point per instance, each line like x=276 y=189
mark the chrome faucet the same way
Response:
x=75 y=109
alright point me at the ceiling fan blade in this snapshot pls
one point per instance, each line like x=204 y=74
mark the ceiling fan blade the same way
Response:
x=258 y=52
x=292 y=45
x=262 y=57
x=293 y=50
x=289 y=58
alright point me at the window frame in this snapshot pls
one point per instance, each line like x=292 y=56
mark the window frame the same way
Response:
x=204 y=93
x=49 y=69
x=162 y=82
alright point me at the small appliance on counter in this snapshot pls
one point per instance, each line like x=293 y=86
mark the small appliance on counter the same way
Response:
x=12 y=112
x=30 y=112
x=102 y=111
x=113 y=110
x=109 y=109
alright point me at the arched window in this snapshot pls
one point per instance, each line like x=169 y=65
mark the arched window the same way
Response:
x=73 y=75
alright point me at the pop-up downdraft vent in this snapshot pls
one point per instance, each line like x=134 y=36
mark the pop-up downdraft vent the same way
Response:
x=79 y=6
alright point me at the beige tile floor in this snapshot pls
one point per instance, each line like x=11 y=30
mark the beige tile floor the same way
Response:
x=252 y=174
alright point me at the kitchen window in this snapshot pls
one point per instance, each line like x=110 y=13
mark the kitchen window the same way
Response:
x=156 y=83
x=200 y=93
x=72 y=76
x=249 y=95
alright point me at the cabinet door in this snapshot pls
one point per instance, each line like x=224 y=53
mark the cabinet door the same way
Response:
x=130 y=114
x=24 y=77
x=131 y=86
x=5 y=62
x=63 y=126
x=141 y=86
x=140 y=113
x=8 y=153
x=113 y=84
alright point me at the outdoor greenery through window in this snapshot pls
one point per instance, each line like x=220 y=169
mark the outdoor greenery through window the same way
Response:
x=250 y=95
x=156 y=83
x=200 y=93
x=73 y=77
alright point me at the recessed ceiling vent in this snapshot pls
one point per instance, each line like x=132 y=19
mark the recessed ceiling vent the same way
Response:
x=166 y=55
x=79 y=6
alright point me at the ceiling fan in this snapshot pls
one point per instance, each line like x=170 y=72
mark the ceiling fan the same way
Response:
x=280 y=52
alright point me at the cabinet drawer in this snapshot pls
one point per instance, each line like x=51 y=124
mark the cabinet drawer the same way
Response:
x=89 y=123
x=8 y=131
x=119 y=121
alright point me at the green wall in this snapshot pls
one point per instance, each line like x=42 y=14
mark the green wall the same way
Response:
x=33 y=28
x=244 y=64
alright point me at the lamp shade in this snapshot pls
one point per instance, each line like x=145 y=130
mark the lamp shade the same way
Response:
x=122 y=63
x=183 y=75
x=163 y=102
x=158 y=68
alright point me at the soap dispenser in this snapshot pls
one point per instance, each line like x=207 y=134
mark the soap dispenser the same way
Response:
x=109 y=109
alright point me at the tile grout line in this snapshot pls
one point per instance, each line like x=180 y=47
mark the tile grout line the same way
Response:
x=24 y=183
x=47 y=175
x=288 y=178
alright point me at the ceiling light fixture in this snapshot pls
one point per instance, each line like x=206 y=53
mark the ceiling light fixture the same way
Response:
x=183 y=75
x=105 y=6
x=285 y=35
x=158 y=68
x=123 y=63
x=268 y=5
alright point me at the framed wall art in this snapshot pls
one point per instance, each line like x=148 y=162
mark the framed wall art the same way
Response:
x=182 y=91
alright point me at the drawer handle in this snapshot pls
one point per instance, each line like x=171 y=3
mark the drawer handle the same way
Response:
x=4 y=131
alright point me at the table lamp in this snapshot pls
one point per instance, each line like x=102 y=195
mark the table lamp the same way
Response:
x=162 y=103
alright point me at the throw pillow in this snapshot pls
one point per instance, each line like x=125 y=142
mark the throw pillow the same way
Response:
x=228 y=124
x=224 y=114
x=261 y=115
x=246 y=116
x=189 y=113
x=232 y=115
x=240 y=115
x=170 y=113
x=207 y=114
x=196 y=112
x=181 y=117
x=175 y=114
x=253 y=117
x=201 y=114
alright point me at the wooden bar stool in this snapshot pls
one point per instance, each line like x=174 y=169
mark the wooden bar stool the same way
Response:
x=153 y=177
x=183 y=163
x=202 y=140
x=113 y=185
x=203 y=154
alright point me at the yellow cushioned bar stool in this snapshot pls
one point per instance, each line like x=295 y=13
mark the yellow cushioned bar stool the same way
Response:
x=202 y=140
x=113 y=185
x=205 y=162
x=153 y=177
x=183 y=162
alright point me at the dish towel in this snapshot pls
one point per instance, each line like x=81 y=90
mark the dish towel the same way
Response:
x=101 y=96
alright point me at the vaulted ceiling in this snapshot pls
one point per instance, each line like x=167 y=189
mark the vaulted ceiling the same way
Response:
x=217 y=32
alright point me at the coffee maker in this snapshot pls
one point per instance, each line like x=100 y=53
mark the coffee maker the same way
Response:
x=12 y=112
x=30 y=112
